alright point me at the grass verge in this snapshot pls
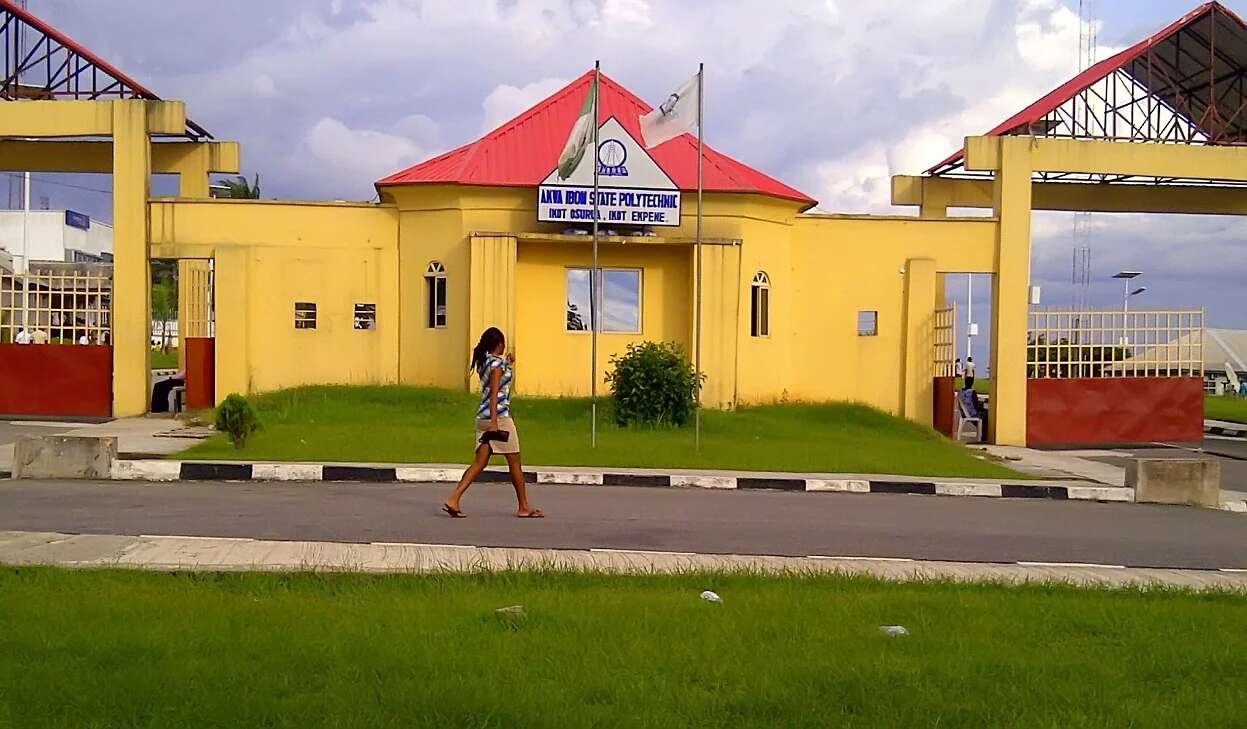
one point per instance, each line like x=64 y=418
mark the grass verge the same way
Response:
x=124 y=649
x=416 y=425
x=164 y=360
x=1225 y=407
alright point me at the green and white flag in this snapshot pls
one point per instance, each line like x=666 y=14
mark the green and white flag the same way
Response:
x=674 y=116
x=581 y=137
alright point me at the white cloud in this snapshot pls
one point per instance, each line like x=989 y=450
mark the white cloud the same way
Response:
x=506 y=101
x=331 y=149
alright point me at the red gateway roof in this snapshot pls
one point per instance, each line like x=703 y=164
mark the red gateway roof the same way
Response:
x=1230 y=35
x=522 y=152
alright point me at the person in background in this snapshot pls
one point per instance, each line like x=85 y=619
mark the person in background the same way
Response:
x=495 y=431
x=23 y=336
x=40 y=337
x=969 y=373
x=162 y=402
x=958 y=370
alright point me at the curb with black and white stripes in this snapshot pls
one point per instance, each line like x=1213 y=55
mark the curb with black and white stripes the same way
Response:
x=155 y=470
x=1230 y=430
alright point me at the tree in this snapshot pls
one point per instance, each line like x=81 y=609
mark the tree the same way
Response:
x=164 y=298
x=240 y=190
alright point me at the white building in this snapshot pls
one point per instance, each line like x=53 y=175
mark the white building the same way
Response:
x=54 y=235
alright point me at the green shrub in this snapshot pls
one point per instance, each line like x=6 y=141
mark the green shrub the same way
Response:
x=237 y=418
x=653 y=383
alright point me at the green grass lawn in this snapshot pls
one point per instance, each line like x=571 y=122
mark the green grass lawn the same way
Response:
x=1225 y=407
x=415 y=425
x=130 y=649
x=164 y=360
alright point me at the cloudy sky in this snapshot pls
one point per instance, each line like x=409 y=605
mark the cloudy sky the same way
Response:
x=832 y=96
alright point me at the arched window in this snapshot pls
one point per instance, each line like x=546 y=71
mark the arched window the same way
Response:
x=435 y=294
x=760 y=305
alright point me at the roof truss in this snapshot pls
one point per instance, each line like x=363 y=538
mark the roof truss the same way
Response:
x=1184 y=85
x=40 y=62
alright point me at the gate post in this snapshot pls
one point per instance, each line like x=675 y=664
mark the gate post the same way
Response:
x=131 y=301
x=919 y=369
x=1010 y=303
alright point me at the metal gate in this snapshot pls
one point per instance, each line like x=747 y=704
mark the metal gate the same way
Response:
x=56 y=340
x=1114 y=376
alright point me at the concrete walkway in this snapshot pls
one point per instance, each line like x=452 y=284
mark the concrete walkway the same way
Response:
x=233 y=554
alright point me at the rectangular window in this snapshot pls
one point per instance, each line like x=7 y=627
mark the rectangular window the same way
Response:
x=365 y=317
x=760 y=312
x=435 y=292
x=867 y=323
x=621 y=300
x=304 y=315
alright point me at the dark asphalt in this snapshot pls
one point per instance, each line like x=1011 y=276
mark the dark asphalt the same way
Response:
x=746 y=522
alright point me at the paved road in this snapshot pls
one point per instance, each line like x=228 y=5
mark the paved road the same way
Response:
x=721 y=522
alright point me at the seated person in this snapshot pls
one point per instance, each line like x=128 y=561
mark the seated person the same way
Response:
x=162 y=402
x=973 y=405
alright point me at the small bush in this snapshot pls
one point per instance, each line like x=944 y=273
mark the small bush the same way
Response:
x=237 y=418
x=653 y=383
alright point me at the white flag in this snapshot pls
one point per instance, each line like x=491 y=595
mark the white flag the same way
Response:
x=673 y=117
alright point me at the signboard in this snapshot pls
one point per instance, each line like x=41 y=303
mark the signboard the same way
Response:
x=632 y=188
x=77 y=220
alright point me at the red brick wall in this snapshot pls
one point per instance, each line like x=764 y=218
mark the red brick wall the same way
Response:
x=1114 y=410
x=200 y=372
x=56 y=379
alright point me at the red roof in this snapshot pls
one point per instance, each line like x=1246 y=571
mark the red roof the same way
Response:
x=522 y=152
x=1231 y=46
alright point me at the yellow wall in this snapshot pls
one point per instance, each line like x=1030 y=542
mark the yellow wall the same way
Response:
x=505 y=269
x=271 y=255
x=554 y=361
x=847 y=264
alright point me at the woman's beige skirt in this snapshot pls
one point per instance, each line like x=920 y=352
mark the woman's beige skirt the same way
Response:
x=511 y=445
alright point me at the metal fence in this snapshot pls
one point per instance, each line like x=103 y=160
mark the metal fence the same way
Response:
x=1063 y=343
x=944 y=332
x=57 y=305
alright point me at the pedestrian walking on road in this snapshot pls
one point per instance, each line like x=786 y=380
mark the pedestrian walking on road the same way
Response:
x=969 y=372
x=495 y=430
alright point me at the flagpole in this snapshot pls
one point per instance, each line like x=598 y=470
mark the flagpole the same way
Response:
x=595 y=306
x=701 y=72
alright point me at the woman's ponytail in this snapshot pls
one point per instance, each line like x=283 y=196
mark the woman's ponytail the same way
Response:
x=490 y=339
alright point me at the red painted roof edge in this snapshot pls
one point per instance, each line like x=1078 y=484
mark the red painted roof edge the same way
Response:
x=712 y=155
x=43 y=27
x=1081 y=82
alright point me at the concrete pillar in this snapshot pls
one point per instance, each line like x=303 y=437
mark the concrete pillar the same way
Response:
x=919 y=354
x=233 y=366
x=1010 y=303
x=492 y=287
x=193 y=182
x=722 y=326
x=131 y=266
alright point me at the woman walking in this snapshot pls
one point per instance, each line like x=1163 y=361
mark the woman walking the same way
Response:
x=495 y=431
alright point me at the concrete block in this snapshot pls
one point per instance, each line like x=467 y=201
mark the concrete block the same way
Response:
x=1189 y=481
x=853 y=486
x=64 y=456
x=703 y=482
x=286 y=472
x=968 y=489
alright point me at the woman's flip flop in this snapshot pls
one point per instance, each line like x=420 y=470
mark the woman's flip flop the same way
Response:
x=534 y=514
x=454 y=513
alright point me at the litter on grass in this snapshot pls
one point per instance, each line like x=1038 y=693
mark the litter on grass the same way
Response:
x=511 y=610
x=710 y=596
x=894 y=629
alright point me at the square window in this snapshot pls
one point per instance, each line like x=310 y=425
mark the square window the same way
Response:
x=867 y=323
x=621 y=300
x=304 y=315
x=365 y=317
